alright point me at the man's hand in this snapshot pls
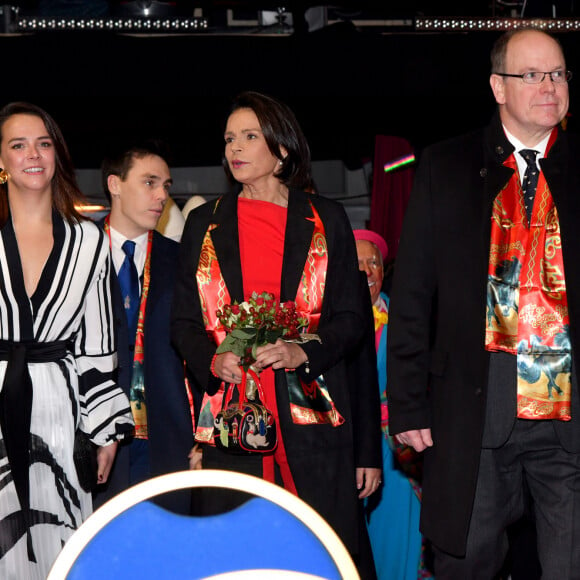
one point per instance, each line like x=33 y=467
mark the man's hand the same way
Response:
x=419 y=439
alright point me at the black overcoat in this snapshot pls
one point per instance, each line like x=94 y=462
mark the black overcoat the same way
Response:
x=322 y=458
x=437 y=362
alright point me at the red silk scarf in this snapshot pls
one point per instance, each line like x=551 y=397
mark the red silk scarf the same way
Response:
x=527 y=308
x=137 y=392
x=309 y=402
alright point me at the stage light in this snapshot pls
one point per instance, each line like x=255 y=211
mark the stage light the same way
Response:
x=496 y=24
x=116 y=24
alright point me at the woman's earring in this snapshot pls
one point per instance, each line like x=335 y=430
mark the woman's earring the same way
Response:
x=280 y=162
x=3 y=176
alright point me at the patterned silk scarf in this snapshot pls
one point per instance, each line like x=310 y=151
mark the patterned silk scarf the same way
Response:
x=137 y=392
x=527 y=308
x=309 y=402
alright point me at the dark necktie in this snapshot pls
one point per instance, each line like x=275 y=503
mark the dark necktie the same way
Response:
x=530 y=181
x=129 y=282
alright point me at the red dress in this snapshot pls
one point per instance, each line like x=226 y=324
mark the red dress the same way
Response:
x=261 y=228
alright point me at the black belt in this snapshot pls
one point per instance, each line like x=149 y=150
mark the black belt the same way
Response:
x=16 y=409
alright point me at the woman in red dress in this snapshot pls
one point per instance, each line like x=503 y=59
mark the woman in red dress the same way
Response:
x=272 y=235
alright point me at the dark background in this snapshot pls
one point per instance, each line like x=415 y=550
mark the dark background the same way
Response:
x=345 y=83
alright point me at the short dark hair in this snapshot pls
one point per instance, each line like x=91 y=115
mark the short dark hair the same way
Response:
x=119 y=161
x=281 y=129
x=65 y=190
x=499 y=48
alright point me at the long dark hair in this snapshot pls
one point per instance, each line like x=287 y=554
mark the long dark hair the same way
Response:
x=280 y=129
x=65 y=189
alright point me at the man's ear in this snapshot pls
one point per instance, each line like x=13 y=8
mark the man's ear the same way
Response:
x=114 y=185
x=497 y=84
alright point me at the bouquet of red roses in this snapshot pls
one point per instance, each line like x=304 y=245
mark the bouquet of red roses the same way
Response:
x=256 y=322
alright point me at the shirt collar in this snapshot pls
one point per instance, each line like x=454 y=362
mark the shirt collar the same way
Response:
x=518 y=145
x=118 y=239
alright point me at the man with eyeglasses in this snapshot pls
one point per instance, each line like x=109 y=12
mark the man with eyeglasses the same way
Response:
x=484 y=328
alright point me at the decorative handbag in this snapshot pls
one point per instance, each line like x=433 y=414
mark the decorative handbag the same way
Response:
x=245 y=426
x=85 y=459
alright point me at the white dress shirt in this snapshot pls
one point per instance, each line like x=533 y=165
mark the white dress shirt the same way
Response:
x=518 y=146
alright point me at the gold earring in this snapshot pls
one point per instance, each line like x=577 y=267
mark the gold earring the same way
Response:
x=4 y=175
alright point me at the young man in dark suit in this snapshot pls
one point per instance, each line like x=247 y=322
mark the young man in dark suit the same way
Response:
x=484 y=334
x=137 y=180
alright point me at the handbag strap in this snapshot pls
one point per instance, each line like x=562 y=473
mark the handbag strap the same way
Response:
x=242 y=389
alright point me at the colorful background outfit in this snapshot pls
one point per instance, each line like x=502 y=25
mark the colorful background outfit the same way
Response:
x=393 y=512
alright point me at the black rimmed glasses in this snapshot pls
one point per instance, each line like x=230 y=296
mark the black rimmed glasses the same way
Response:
x=537 y=77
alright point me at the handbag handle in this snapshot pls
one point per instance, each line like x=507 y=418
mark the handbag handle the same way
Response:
x=242 y=388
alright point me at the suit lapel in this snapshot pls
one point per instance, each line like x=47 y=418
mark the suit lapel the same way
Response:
x=227 y=245
x=498 y=149
x=156 y=275
x=299 y=228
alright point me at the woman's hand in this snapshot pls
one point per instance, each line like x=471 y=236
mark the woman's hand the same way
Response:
x=281 y=355
x=195 y=456
x=227 y=367
x=105 y=459
x=368 y=480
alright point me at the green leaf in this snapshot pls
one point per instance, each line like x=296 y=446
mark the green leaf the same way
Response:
x=243 y=333
x=231 y=344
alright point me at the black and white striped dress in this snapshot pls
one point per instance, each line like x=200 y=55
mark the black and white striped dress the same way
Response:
x=71 y=303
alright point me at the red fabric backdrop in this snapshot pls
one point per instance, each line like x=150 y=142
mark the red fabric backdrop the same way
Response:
x=390 y=192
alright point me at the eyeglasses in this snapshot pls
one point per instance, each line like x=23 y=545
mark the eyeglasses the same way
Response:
x=537 y=77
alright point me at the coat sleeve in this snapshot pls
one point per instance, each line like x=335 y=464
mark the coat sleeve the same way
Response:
x=411 y=312
x=188 y=332
x=347 y=334
x=105 y=412
x=365 y=397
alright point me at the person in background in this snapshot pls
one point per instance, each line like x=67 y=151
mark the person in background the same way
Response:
x=171 y=222
x=484 y=335
x=193 y=202
x=136 y=178
x=57 y=346
x=393 y=512
x=270 y=235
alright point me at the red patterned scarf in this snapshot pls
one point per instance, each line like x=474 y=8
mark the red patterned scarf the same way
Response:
x=137 y=392
x=527 y=308
x=309 y=402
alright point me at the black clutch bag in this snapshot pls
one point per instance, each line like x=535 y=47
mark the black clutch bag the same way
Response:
x=246 y=426
x=85 y=458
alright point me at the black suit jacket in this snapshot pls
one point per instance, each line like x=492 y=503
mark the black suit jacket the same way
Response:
x=322 y=458
x=437 y=363
x=168 y=410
